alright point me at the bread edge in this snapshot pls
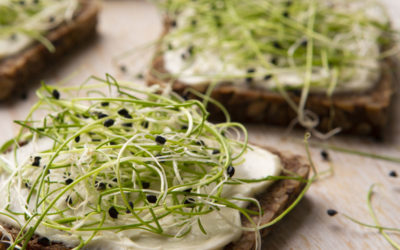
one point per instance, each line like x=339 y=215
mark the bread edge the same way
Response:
x=359 y=113
x=23 y=69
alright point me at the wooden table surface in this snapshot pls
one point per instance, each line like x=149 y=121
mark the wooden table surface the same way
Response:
x=125 y=25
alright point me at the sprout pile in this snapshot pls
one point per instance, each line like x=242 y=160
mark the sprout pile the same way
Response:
x=324 y=46
x=24 y=21
x=119 y=159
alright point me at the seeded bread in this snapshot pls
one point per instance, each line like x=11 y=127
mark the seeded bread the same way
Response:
x=24 y=68
x=273 y=201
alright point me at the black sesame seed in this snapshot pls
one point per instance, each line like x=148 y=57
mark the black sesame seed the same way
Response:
x=145 y=124
x=331 y=212
x=393 y=173
x=230 y=171
x=51 y=19
x=100 y=186
x=130 y=206
x=250 y=78
x=188 y=190
x=151 y=198
x=174 y=23
x=215 y=151
x=325 y=155
x=304 y=43
x=77 y=139
x=274 y=60
x=113 y=143
x=190 y=50
x=96 y=140
x=184 y=127
x=68 y=200
x=56 y=94
x=113 y=212
x=108 y=123
x=122 y=68
x=286 y=14
x=145 y=184
x=129 y=124
x=160 y=140
x=36 y=161
x=277 y=45
x=200 y=143
x=267 y=77
x=115 y=180
x=124 y=113
x=68 y=181
x=189 y=201
x=13 y=37
x=101 y=115
x=27 y=185
x=44 y=241
x=105 y=104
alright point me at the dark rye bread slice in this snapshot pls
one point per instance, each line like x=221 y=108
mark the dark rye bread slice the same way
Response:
x=20 y=70
x=273 y=202
x=360 y=113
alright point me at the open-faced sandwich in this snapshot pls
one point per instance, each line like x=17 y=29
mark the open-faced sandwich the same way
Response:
x=322 y=63
x=126 y=168
x=35 y=34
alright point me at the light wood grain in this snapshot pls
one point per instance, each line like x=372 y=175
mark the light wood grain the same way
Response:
x=127 y=24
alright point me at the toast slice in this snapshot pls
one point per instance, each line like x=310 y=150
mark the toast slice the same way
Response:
x=364 y=112
x=273 y=202
x=19 y=70
x=360 y=113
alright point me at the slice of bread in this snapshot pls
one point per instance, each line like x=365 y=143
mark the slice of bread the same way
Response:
x=273 y=202
x=360 y=113
x=22 y=69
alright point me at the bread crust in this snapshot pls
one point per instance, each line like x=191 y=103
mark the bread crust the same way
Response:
x=22 y=69
x=361 y=113
x=273 y=202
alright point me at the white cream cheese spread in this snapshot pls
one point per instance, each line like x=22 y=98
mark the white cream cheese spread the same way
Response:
x=26 y=21
x=222 y=226
x=129 y=169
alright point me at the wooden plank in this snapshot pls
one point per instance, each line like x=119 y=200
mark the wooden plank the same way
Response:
x=127 y=24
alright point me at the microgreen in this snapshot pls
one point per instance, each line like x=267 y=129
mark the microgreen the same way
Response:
x=381 y=229
x=20 y=24
x=91 y=173
x=309 y=45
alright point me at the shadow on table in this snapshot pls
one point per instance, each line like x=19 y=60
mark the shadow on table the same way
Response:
x=289 y=228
